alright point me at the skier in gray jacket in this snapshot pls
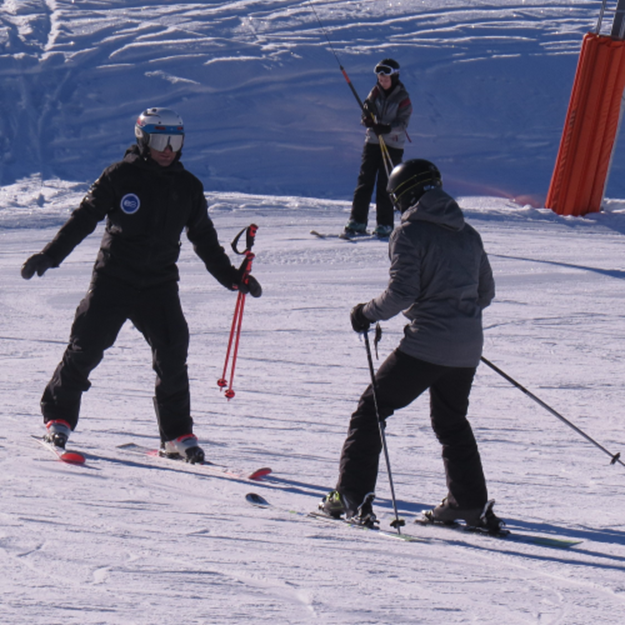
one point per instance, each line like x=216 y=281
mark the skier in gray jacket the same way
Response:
x=386 y=113
x=441 y=279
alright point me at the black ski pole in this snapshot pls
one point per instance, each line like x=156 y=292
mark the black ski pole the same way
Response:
x=336 y=56
x=397 y=523
x=388 y=163
x=615 y=457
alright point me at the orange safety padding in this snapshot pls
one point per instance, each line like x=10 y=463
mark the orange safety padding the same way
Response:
x=592 y=120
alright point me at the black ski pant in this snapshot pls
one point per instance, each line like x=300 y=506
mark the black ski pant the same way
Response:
x=399 y=381
x=373 y=175
x=156 y=312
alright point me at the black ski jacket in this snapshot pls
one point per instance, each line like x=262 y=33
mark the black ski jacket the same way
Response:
x=147 y=207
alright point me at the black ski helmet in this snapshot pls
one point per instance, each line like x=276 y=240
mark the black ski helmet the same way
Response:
x=389 y=67
x=410 y=180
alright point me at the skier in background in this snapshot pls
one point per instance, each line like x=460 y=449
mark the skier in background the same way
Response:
x=441 y=279
x=148 y=199
x=387 y=111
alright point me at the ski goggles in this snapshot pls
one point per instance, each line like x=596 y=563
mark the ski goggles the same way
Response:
x=387 y=70
x=159 y=142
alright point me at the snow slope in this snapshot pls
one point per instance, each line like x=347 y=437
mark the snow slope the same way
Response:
x=125 y=540
x=128 y=540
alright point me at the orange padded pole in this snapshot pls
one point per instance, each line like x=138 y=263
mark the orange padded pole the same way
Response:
x=582 y=165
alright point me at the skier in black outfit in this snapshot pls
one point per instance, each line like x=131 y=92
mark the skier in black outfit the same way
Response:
x=148 y=199
x=441 y=279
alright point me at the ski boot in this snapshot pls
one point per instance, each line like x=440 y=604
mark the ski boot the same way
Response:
x=338 y=505
x=335 y=504
x=476 y=519
x=58 y=432
x=185 y=448
x=354 y=229
x=364 y=514
x=383 y=232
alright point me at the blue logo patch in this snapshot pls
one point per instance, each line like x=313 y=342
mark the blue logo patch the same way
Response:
x=130 y=203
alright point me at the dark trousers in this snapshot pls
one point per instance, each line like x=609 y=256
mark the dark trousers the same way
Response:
x=373 y=175
x=156 y=312
x=399 y=381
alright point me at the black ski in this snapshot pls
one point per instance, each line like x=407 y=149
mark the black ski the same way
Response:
x=208 y=467
x=533 y=539
x=506 y=534
x=261 y=502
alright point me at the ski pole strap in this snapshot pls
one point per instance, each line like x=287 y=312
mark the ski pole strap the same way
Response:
x=246 y=266
x=377 y=337
x=249 y=239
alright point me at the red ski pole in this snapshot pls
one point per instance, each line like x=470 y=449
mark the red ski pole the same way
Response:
x=235 y=329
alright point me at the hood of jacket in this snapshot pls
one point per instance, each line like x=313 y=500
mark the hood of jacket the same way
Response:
x=437 y=207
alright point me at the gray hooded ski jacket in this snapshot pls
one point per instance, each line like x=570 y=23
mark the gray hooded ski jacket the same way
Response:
x=393 y=109
x=441 y=279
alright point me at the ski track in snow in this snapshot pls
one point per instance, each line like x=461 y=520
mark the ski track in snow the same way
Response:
x=125 y=538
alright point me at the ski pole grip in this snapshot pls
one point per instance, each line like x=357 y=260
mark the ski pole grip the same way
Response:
x=251 y=235
x=246 y=266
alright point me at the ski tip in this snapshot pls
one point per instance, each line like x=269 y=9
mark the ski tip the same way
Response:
x=259 y=474
x=256 y=499
x=72 y=457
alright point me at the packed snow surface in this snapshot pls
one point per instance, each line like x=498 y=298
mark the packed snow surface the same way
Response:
x=274 y=135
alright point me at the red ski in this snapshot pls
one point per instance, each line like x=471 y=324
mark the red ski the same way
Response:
x=209 y=467
x=64 y=455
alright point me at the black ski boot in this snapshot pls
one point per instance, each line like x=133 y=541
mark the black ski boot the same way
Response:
x=475 y=519
x=336 y=504
x=364 y=514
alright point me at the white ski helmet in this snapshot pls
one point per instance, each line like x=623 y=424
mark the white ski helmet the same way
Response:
x=158 y=128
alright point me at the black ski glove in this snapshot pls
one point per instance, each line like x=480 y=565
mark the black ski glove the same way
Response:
x=367 y=121
x=381 y=129
x=360 y=323
x=38 y=263
x=370 y=109
x=251 y=286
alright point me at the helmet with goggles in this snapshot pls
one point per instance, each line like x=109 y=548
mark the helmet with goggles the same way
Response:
x=388 y=67
x=158 y=128
x=410 y=180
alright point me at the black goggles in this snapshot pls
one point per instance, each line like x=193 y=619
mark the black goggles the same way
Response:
x=387 y=70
